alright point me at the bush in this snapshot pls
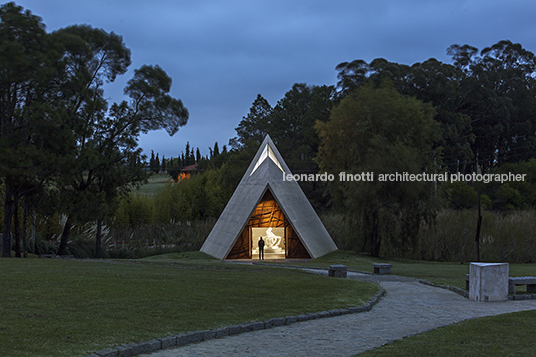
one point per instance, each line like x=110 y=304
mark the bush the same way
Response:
x=505 y=237
x=146 y=240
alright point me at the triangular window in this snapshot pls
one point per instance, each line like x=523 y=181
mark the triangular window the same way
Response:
x=267 y=153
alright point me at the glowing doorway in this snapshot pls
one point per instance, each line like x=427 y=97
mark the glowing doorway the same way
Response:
x=274 y=242
x=268 y=215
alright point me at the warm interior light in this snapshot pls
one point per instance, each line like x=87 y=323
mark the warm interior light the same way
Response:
x=274 y=242
x=269 y=222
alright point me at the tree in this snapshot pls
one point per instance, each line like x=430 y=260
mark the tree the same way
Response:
x=150 y=102
x=187 y=159
x=91 y=57
x=106 y=139
x=32 y=139
x=497 y=92
x=121 y=166
x=484 y=100
x=379 y=131
x=253 y=127
x=152 y=162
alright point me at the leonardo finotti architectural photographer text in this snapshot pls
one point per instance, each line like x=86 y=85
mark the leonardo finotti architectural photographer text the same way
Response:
x=406 y=177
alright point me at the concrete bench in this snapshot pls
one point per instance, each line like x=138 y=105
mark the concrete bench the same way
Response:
x=529 y=281
x=337 y=271
x=382 y=268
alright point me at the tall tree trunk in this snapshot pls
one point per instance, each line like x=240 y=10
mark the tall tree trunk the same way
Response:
x=478 y=227
x=98 y=239
x=376 y=239
x=24 y=222
x=371 y=229
x=16 y=229
x=8 y=213
x=62 y=250
x=34 y=230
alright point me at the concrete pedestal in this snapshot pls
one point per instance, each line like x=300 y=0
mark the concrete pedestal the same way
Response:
x=381 y=268
x=337 y=271
x=488 y=282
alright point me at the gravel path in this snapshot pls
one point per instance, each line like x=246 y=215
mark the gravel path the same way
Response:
x=407 y=309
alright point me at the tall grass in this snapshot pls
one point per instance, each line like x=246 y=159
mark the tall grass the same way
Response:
x=151 y=239
x=505 y=237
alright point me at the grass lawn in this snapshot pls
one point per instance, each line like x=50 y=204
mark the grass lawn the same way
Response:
x=156 y=183
x=441 y=273
x=503 y=335
x=53 y=307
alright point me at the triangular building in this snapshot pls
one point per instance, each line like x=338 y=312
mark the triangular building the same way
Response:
x=268 y=205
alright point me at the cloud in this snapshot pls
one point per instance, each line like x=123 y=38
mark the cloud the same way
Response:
x=221 y=54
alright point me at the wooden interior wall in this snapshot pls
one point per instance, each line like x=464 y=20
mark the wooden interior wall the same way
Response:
x=294 y=247
x=268 y=214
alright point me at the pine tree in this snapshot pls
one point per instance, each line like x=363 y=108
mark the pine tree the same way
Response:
x=156 y=164
x=152 y=161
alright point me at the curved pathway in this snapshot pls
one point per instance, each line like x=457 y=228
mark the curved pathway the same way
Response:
x=408 y=308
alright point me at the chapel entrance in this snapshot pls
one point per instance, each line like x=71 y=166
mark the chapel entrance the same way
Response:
x=269 y=222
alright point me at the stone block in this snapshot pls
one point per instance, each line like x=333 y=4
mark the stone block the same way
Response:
x=488 y=282
x=278 y=321
x=324 y=314
x=234 y=329
x=245 y=328
x=338 y=271
x=209 y=335
x=258 y=325
x=146 y=347
x=382 y=268
x=125 y=350
x=313 y=316
x=304 y=317
x=269 y=323
x=190 y=337
x=221 y=332
x=167 y=342
x=291 y=319
x=335 y=312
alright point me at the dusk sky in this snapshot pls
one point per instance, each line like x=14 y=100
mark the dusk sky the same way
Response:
x=221 y=54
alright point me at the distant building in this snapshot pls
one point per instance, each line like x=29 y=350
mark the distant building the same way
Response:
x=186 y=172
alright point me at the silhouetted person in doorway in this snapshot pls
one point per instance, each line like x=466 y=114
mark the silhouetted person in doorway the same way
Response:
x=261 y=248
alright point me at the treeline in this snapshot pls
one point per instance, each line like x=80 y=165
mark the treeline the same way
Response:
x=186 y=158
x=475 y=115
x=65 y=150
x=63 y=147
